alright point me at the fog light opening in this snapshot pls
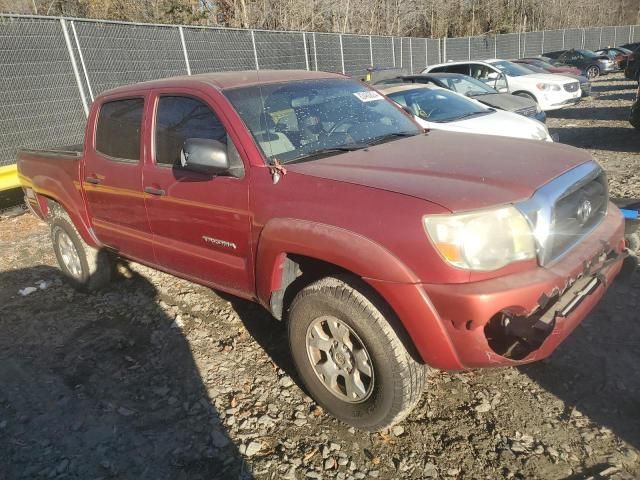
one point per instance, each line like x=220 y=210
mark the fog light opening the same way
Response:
x=514 y=336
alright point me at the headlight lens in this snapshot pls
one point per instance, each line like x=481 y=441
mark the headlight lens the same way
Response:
x=483 y=241
x=545 y=87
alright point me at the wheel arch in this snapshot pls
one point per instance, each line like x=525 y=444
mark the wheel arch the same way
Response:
x=287 y=244
x=527 y=94
x=49 y=205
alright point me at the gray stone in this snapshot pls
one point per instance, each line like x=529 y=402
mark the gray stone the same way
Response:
x=253 y=448
x=430 y=470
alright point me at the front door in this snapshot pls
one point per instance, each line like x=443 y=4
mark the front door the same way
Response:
x=112 y=178
x=200 y=224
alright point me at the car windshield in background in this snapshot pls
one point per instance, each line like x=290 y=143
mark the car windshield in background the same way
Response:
x=626 y=51
x=587 y=53
x=467 y=86
x=511 y=69
x=542 y=64
x=312 y=118
x=438 y=105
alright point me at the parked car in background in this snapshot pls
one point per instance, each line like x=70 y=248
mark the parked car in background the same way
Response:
x=590 y=64
x=550 y=91
x=441 y=109
x=632 y=71
x=633 y=46
x=634 y=116
x=585 y=83
x=545 y=63
x=381 y=246
x=472 y=88
x=619 y=55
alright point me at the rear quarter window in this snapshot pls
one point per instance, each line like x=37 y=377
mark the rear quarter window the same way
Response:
x=118 y=130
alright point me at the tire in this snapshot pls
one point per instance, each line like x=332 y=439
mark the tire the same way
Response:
x=632 y=242
x=526 y=95
x=396 y=379
x=593 y=72
x=90 y=269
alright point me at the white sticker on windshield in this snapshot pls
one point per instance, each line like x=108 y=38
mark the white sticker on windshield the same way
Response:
x=368 y=96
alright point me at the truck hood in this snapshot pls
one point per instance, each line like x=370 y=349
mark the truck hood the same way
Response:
x=454 y=170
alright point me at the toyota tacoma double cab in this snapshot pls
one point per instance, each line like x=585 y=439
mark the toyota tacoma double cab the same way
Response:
x=384 y=247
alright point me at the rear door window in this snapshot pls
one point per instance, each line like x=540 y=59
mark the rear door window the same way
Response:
x=463 y=69
x=118 y=130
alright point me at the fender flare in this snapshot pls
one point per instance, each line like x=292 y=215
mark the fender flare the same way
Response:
x=72 y=204
x=335 y=245
x=400 y=287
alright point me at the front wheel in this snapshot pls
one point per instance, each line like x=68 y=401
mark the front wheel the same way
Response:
x=593 y=72
x=348 y=349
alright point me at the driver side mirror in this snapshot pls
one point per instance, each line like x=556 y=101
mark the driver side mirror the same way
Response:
x=494 y=76
x=203 y=155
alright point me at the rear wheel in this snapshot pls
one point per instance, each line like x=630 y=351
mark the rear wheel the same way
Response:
x=349 y=351
x=593 y=71
x=84 y=267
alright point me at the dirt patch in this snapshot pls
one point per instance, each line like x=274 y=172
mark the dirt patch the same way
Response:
x=158 y=378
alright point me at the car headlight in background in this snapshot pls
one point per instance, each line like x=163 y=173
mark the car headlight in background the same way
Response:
x=484 y=240
x=547 y=87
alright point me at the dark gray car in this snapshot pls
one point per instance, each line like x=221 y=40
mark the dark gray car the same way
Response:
x=475 y=89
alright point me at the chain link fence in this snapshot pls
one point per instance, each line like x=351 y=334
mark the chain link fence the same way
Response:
x=53 y=68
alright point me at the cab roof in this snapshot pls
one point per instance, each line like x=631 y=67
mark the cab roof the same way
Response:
x=226 y=80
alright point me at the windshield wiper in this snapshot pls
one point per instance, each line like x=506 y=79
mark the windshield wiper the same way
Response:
x=469 y=114
x=328 y=151
x=391 y=136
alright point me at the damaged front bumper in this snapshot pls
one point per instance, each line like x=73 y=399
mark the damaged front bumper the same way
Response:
x=523 y=317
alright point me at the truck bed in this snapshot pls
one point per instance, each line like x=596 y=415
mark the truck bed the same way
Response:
x=69 y=152
x=53 y=174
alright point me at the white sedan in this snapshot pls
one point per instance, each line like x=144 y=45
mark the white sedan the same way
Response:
x=551 y=91
x=440 y=109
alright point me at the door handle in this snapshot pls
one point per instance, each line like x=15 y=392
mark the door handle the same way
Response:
x=154 y=191
x=93 y=180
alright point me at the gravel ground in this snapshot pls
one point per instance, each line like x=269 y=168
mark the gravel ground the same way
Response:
x=158 y=378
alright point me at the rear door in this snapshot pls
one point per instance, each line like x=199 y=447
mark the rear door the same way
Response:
x=112 y=179
x=200 y=224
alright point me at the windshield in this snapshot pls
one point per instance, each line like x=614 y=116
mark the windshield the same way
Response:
x=467 y=86
x=541 y=64
x=300 y=119
x=532 y=68
x=587 y=53
x=438 y=104
x=511 y=69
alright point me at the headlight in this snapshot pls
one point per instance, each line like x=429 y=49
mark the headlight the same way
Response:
x=485 y=240
x=545 y=87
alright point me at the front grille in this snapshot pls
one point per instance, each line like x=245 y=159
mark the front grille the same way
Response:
x=576 y=213
x=528 y=112
x=586 y=88
x=572 y=87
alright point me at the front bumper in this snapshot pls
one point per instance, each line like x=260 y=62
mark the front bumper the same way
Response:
x=541 y=116
x=450 y=323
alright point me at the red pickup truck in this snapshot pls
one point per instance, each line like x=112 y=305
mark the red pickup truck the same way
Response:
x=384 y=247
